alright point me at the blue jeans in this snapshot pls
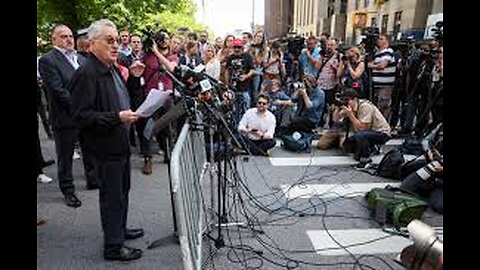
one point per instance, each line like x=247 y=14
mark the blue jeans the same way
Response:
x=364 y=141
x=256 y=80
x=241 y=105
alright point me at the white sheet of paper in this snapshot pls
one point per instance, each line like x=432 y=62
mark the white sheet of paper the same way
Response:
x=154 y=100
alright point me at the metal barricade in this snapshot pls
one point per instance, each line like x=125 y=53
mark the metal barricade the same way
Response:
x=188 y=167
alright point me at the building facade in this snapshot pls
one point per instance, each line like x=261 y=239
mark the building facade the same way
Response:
x=278 y=18
x=398 y=18
x=314 y=17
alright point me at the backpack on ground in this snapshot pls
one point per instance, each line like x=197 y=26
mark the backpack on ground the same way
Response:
x=303 y=144
x=413 y=146
x=390 y=165
x=395 y=206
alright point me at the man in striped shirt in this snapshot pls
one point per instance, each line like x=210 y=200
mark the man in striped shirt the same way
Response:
x=383 y=75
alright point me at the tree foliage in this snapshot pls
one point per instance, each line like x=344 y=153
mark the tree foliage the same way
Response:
x=132 y=14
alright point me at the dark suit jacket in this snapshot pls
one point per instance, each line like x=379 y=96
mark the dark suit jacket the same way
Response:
x=95 y=108
x=56 y=73
x=183 y=60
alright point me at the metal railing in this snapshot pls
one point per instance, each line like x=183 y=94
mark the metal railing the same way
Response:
x=188 y=167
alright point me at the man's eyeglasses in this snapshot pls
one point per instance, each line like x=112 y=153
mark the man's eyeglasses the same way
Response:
x=110 y=40
x=237 y=47
x=262 y=103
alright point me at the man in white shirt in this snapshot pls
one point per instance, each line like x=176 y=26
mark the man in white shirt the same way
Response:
x=257 y=127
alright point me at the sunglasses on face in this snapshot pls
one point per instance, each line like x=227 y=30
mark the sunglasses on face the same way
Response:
x=261 y=103
x=110 y=40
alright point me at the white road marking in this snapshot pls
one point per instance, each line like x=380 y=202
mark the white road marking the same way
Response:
x=331 y=190
x=315 y=161
x=385 y=242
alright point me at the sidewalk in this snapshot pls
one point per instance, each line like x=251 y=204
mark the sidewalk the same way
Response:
x=72 y=238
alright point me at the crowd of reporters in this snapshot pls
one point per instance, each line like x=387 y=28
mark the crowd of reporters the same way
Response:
x=272 y=91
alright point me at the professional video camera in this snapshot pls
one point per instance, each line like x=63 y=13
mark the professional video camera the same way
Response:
x=237 y=68
x=401 y=46
x=295 y=46
x=150 y=36
x=370 y=41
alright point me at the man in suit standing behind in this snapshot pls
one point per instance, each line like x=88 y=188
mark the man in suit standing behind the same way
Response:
x=56 y=69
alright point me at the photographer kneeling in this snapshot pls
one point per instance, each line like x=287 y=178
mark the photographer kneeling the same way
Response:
x=369 y=125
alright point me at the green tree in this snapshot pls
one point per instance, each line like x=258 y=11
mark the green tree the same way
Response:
x=132 y=14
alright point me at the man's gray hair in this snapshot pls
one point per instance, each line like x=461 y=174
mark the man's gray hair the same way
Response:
x=96 y=27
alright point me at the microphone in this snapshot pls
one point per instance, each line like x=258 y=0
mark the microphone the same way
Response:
x=154 y=126
x=426 y=251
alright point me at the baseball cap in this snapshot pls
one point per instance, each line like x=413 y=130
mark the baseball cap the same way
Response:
x=237 y=42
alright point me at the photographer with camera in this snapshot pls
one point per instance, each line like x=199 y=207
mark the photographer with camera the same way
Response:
x=239 y=73
x=309 y=57
x=191 y=58
x=417 y=87
x=324 y=37
x=426 y=177
x=280 y=105
x=273 y=65
x=369 y=126
x=257 y=50
x=327 y=80
x=153 y=78
x=310 y=101
x=383 y=75
x=437 y=88
x=350 y=71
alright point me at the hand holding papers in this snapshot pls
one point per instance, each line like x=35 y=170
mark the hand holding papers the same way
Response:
x=155 y=99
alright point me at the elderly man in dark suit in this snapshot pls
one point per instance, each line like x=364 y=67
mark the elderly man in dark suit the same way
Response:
x=101 y=107
x=56 y=69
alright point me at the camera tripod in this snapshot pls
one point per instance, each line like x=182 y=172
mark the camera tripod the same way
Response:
x=225 y=161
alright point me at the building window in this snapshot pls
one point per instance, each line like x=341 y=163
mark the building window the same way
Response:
x=366 y=3
x=397 y=23
x=384 y=23
x=311 y=11
x=357 y=4
x=330 y=8
x=373 y=22
x=343 y=6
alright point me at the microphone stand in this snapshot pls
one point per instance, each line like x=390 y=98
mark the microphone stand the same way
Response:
x=173 y=238
x=227 y=136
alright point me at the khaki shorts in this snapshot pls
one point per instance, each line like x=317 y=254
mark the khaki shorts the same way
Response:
x=331 y=139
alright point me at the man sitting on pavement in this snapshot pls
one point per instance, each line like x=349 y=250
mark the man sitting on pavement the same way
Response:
x=368 y=124
x=310 y=101
x=257 y=127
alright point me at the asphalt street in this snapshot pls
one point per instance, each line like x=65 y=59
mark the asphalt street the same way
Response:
x=303 y=208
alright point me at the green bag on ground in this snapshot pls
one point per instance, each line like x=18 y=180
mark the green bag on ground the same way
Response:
x=392 y=206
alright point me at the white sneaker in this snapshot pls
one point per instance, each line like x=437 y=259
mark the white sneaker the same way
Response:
x=76 y=155
x=42 y=178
